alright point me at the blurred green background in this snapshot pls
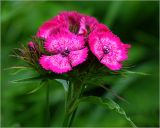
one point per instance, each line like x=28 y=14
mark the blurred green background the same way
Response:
x=135 y=22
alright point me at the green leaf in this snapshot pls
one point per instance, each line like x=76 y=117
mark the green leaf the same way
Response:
x=137 y=73
x=18 y=69
x=37 y=88
x=28 y=79
x=64 y=83
x=107 y=103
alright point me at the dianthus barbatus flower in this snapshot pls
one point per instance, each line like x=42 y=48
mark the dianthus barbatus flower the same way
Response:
x=64 y=38
x=107 y=47
x=67 y=49
x=68 y=32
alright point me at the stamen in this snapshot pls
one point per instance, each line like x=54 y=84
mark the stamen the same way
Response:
x=66 y=52
x=106 y=50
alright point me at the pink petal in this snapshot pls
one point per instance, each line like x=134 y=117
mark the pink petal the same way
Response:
x=44 y=61
x=51 y=26
x=75 y=16
x=55 y=63
x=110 y=63
x=72 y=17
x=119 y=49
x=95 y=46
x=77 y=57
x=91 y=22
x=52 y=45
x=59 y=64
x=45 y=30
x=82 y=29
x=123 y=55
x=76 y=42
x=101 y=28
x=62 y=41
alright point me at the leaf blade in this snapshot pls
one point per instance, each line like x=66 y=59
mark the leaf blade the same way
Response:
x=107 y=103
x=37 y=88
x=27 y=79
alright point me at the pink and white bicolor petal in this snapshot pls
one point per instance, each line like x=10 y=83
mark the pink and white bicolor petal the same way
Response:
x=52 y=45
x=95 y=46
x=101 y=28
x=111 y=63
x=51 y=26
x=44 y=61
x=123 y=52
x=45 y=30
x=72 y=17
x=75 y=42
x=55 y=63
x=78 y=57
x=90 y=21
x=62 y=41
x=59 y=64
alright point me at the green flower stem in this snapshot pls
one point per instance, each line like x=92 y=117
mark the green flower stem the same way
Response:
x=73 y=95
x=66 y=120
x=70 y=113
x=72 y=117
x=47 y=105
x=74 y=112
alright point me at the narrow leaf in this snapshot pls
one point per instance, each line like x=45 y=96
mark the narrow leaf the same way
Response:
x=107 y=103
x=27 y=79
x=36 y=89
x=17 y=67
x=113 y=93
x=64 y=83
x=138 y=73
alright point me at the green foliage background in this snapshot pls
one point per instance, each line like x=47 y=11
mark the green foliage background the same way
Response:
x=135 y=22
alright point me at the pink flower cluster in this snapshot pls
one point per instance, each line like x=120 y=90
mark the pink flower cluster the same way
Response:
x=70 y=35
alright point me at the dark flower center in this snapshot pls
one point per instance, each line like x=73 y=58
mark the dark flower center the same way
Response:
x=65 y=53
x=74 y=28
x=73 y=25
x=106 y=49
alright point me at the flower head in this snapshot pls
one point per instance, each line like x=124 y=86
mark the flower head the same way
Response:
x=108 y=48
x=66 y=37
x=68 y=50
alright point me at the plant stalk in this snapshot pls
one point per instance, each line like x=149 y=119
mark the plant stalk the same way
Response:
x=47 y=105
x=71 y=103
x=72 y=117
